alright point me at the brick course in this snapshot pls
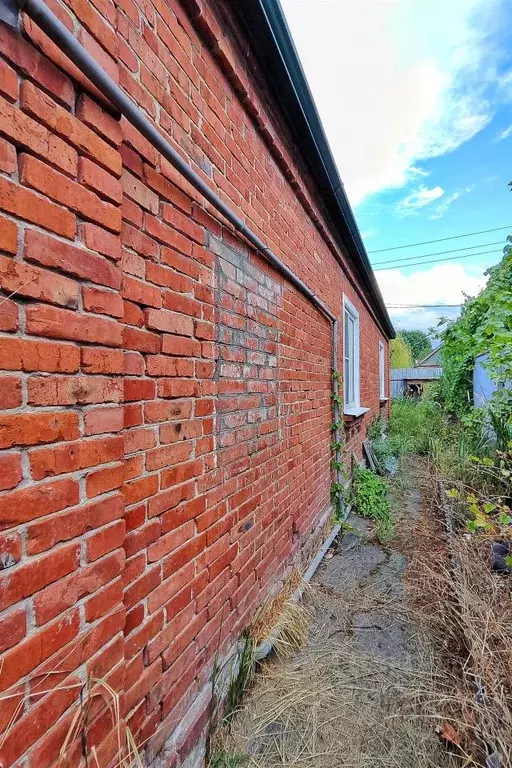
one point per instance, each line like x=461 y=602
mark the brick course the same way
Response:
x=165 y=394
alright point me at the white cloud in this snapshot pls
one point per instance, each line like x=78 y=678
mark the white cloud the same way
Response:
x=393 y=84
x=504 y=134
x=441 y=284
x=443 y=206
x=417 y=199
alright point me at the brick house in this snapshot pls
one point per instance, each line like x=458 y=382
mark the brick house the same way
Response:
x=166 y=386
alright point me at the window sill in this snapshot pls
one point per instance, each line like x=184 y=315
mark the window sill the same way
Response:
x=351 y=413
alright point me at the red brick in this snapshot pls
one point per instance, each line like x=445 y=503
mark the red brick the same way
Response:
x=163 y=411
x=12 y=629
x=41 y=177
x=183 y=223
x=139 y=389
x=181 y=263
x=27 y=133
x=98 y=239
x=133 y=238
x=144 y=341
x=10 y=548
x=183 y=555
x=38 y=647
x=35 y=283
x=164 y=188
x=160 y=231
x=140 y=489
x=167 y=500
x=34 y=355
x=62 y=324
x=10 y=392
x=139 y=192
x=10 y=471
x=170 y=322
x=33 y=428
x=100 y=181
x=8 y=161
x=8 y=236
x=101 y=420
x=102 y=302
x=102 y=360
x=104 y=480
x=142 y=587
x=26 y=578
x=105 y=540
x=8 y=81
x=58 y=460
x=36 y=209
x=24 y=56
x=72 y=523
x=167 y=455
x=172 y=540
x=93 y=115
x=141 y=293
x=104 y=601
x=68 y=258
x=71 y=129
x=68 y=390
x=162 y=365
x=29 y=503
x=58 y=597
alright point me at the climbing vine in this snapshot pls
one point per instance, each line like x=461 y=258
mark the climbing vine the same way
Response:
x=484 y=327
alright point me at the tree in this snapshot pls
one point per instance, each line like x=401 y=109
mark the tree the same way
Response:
x=419 y=343
x=400 y=353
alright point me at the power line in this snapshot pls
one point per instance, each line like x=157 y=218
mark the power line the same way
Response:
x=437 y=253
x=422 y=306
x=441 y=239
x=435 y=261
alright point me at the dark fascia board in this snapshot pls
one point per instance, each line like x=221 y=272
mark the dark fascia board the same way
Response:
x=267 y=30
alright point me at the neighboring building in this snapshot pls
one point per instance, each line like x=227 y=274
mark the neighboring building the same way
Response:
x=166 y=392
x=432 y=359
x=410 y=382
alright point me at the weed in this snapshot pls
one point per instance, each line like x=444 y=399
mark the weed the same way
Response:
x=227 y=759
x=241 y=680
x=370 y=499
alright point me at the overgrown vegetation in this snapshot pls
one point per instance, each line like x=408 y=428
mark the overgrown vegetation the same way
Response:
x=369 y=496
x=400 y=353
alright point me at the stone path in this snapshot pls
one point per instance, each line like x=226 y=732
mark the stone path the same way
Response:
x=362 y=692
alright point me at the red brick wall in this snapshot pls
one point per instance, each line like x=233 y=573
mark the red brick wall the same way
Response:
x=165 y=395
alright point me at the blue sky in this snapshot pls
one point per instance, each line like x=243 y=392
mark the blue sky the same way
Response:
x=416 y=100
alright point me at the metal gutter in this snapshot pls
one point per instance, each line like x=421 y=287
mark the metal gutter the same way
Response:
x=266 y=27
x=64 y=39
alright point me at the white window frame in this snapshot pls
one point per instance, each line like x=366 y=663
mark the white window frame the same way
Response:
x=351 y=406
x=382 y=371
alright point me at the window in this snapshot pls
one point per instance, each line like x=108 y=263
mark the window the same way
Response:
x=382 y=372
x=350 y=355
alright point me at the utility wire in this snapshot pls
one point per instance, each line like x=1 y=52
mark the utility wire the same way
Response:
x=421 y=306
x=435 y=261
x=441 y=239
x=437 y=253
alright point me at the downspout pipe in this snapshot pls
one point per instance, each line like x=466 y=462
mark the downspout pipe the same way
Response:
x=57 y=32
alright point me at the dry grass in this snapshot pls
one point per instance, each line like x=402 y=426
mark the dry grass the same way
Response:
x=283 y=621
x=468 y=610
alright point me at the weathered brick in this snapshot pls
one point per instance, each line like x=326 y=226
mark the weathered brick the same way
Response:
x=62 y=324
x=37 y=209
x=100 y=420
x=102 y=302
x=68 y=390
x=33 y=428
x=98 y=239
x=29 y=503
x=8 y=160
x=68 y=258
x=137 y=191
x=100 y=181
x=36 y=283
x=10 y=392
x=26 y=578
x=69 y=193
x=104 y=480
x=170 y=322
x=47 y=462
x=36 y=355
x=66 y=125
x=27 y=133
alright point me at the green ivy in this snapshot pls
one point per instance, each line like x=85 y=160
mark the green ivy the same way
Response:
x=484 y=327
